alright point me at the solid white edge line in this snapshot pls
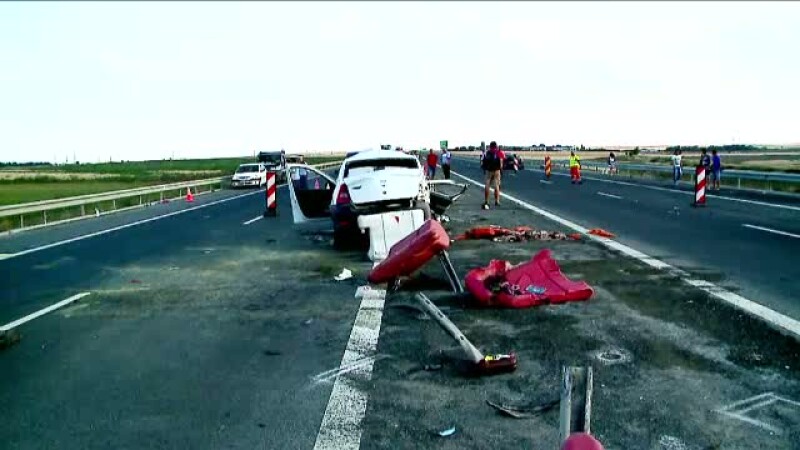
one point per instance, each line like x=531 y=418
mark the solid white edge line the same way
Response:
x=609 y=195
x=770 y=230
x=341 y=425
x=41 y=312
x=122 y=227
x=252 y=220
x=677 y=191
x=781 y=322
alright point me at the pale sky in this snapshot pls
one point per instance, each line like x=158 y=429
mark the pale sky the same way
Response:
x=147 y=80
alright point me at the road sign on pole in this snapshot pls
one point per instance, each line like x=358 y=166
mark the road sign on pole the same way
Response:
x=443 y=145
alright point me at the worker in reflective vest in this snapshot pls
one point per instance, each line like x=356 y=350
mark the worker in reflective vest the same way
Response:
x=575 y=168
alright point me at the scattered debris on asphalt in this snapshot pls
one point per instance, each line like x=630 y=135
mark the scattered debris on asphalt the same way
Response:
x=344 y=275
x=523 y=413
x=602 y=233
x=308 y=322
x=517 y=234
x=448 y=432
x=432 y=367
x=272 y=353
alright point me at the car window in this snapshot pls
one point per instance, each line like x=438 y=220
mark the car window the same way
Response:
x=374 y=165
x=244 y=169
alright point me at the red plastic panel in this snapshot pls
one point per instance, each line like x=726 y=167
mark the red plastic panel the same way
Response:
x=581 y=441
x=412 y=252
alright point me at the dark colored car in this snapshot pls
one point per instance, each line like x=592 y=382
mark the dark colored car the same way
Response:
x=508 y=163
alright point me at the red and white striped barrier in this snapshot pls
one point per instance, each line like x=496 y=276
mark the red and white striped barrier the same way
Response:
x=272 y=207
x=700 y=186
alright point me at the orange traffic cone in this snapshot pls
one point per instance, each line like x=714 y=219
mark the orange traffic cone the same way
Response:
x=189 y=195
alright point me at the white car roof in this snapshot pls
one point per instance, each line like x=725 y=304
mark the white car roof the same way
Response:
x=380 y=154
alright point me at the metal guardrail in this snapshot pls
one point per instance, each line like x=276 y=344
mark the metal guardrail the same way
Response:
x=739 y=175
x=82 y=201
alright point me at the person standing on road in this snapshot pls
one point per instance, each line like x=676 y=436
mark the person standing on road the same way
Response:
x=446 y=157
x=612 y=164
x=716 y=168
x=575 y=168
x=705 y=161
x=677 y=170
x=432 y=161
x=492 y=165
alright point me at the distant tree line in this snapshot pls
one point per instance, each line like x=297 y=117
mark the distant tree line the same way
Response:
x=719 y=148
x=24 y=164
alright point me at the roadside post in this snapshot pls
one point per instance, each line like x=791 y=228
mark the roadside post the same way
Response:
x=272 y=207
x=699 y=186
x=548 y=166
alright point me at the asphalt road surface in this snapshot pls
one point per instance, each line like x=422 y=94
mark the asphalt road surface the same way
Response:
x=201 y=331
x=747 y=245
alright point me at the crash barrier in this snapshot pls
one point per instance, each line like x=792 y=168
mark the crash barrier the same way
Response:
x=271 y=209
x=387 y=229
x=575 y=415
x=700 y=186
x=480 y=364
x=764 y=180
x=48 y=212
x=414 y=251
x=533 y=283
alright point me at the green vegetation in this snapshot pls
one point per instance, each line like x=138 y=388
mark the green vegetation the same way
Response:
x=36 y=181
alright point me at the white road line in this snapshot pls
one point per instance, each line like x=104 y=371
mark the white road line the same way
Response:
x=545 y=182
x=609 y=195
x=341 y=425
x=677 y=191
x=252 y=220
x=122 y=227
x=770 y=230
x=781 y=322
x=41 y=312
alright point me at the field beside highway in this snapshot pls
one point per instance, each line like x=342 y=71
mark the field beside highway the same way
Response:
x=29 y=184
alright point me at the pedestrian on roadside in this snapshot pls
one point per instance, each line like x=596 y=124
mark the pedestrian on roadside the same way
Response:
x=492 y=165
x=575 y=168
x=677 y=170
x=705 y=161
x=432 y=161
x=716 y=168
x=446 y=157
x=612 y=163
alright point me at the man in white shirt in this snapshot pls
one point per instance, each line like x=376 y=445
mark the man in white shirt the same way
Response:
x=445 y=161
x=677 y=170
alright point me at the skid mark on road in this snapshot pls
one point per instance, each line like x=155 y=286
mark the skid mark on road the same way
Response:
x=341 y=425
x=770 y=230
x=779 y=321
x=41 y=312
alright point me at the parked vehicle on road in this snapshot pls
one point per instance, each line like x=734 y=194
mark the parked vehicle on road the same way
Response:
x=508 y=163
x=274 y=162
x=249 y=175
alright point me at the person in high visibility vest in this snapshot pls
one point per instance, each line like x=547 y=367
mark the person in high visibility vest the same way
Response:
x=575 y=168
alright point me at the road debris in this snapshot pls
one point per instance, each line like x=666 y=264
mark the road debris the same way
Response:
x=432 y=367
x=602 y=233
x=517 y=234
x=523 y=413
x=448 y=432
x=363 y=290
x=344 y=275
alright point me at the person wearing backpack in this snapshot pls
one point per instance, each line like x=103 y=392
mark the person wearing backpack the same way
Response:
x=492 y=165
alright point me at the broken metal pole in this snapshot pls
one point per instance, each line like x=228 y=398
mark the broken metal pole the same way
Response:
x=576 y=402
x=472 y=352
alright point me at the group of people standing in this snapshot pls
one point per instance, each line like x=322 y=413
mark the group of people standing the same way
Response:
x=712 y=165
x=433 y=160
